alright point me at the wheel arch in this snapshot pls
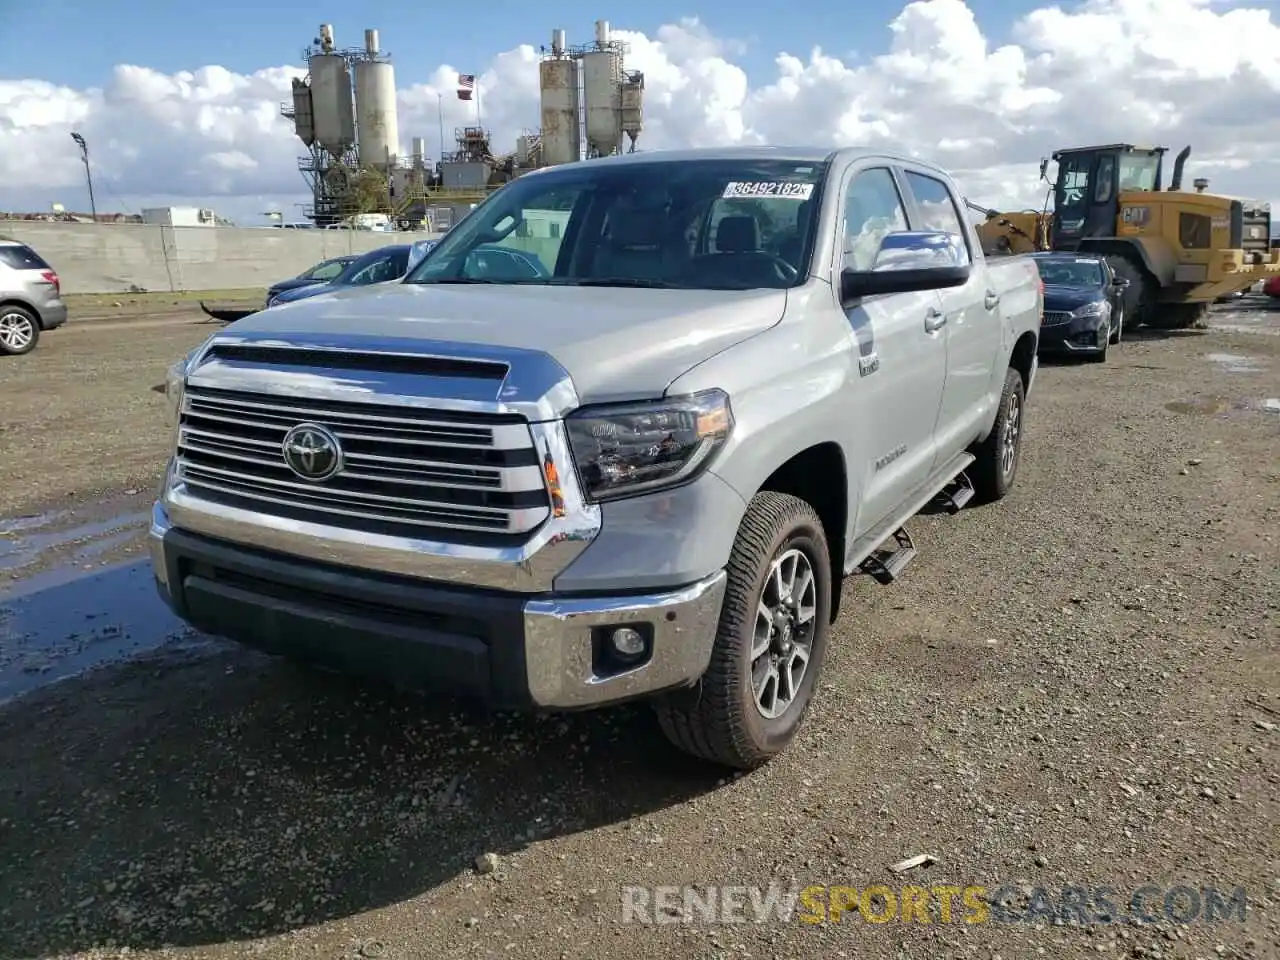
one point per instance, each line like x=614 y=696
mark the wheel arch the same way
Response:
x=819 y=475
x=19 y=302
x=1023 y=357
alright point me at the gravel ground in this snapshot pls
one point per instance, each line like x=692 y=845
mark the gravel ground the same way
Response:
x=1076 y=687
x=79 y=416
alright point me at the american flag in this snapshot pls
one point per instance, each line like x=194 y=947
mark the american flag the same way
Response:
x=466 y=84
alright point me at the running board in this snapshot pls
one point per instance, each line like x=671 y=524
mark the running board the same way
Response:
x=885 y=566
x=958 y=493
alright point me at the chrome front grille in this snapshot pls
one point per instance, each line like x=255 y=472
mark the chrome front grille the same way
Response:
x=425 y=474
x=1054 y=317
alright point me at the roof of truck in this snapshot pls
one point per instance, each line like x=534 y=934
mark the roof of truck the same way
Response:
x=797 y=154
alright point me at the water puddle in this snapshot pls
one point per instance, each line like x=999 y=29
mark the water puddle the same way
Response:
x=1216 y=406
x=1237 y=362
x=1250 y=315
x=65 y=622
x=1209 y=407
x=26 y=540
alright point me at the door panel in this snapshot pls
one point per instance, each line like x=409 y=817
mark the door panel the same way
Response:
x=900 y=366
x=973 y=327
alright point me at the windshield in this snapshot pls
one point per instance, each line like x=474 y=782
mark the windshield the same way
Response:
x=1138 y=171
x=376 y=266
x=726 y=224
x=1070 y=273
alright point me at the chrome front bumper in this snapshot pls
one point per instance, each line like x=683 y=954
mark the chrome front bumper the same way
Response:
x=511 y=649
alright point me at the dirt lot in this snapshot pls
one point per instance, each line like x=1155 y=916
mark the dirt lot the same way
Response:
x=1077 y=687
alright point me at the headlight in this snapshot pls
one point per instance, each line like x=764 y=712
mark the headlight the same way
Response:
x=1095 y=309
x=625 y=449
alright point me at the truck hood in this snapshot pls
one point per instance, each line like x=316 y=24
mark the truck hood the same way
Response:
x=616 y=343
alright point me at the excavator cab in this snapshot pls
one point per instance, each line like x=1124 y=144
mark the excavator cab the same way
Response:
x=1086 y=193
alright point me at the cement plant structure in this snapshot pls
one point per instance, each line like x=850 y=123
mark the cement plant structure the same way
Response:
x=344 y=111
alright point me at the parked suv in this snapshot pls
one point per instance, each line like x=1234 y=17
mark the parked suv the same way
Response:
x=30 y=298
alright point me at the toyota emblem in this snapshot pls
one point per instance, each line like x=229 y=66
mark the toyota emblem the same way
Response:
x=312 y=452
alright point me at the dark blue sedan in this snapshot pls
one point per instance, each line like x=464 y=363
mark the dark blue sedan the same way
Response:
x=377 y=266
x=322 y=272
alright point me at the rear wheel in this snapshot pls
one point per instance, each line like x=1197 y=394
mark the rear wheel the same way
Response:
x=770 y=643
x=19 y=330
x=996 y=462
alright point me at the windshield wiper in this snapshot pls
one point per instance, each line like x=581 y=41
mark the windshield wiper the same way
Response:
x=623 y=282
x=526 y=281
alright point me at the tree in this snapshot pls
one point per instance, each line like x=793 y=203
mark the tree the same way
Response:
x=369 y=192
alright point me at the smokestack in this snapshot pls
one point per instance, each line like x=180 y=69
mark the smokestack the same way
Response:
x=1175 y=182
x=602 y=31
x=557 y=42
x=326 y=37
x=371 y=41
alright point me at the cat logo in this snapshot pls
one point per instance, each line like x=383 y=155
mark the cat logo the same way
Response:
x=1135 y=216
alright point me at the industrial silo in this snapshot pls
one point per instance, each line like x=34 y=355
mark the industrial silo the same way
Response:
x=558 y=81
x=377 y=124
x=331 y=112
x=304 y=124
x=602 y=88
x=633 y=106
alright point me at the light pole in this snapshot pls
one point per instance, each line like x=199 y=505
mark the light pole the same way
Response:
x=440 y=115
x=84 y=155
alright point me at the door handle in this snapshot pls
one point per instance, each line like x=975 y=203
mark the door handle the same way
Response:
x=934 y=320
x=992 y=300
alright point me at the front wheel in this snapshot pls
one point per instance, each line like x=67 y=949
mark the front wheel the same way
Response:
x=770 y=643
x=19 y=330
x=996 y=462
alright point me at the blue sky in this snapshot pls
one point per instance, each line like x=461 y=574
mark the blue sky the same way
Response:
x=77 y=42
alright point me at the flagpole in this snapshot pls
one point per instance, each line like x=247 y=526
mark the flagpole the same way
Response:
x=477 y=100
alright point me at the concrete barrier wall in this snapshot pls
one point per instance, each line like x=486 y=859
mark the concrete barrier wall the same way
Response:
x=122 y=258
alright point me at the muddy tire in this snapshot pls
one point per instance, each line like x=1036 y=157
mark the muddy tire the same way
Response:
x=1138 y=296
x=19 y=330
x=1179 y=316
x=996 y=466
x=745 y=711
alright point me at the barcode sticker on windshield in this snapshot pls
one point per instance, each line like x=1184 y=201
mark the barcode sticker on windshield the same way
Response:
x=787 y=190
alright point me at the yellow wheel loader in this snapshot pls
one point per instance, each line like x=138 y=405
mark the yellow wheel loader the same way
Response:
x=1179 y=250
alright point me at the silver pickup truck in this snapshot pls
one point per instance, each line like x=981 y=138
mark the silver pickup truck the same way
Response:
x=620 y=435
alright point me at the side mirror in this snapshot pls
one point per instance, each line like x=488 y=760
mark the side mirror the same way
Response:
x=1120 y=283
x=910 y=261
x=1044 y=166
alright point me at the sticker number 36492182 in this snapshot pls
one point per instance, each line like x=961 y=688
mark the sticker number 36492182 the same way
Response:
x=786 y=190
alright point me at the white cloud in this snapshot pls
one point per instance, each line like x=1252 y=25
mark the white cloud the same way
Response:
x=1170 y=72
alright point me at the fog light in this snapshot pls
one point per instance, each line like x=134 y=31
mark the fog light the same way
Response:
x=627 y=642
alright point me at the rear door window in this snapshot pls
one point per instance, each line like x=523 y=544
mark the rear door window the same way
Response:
x=21 y=257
